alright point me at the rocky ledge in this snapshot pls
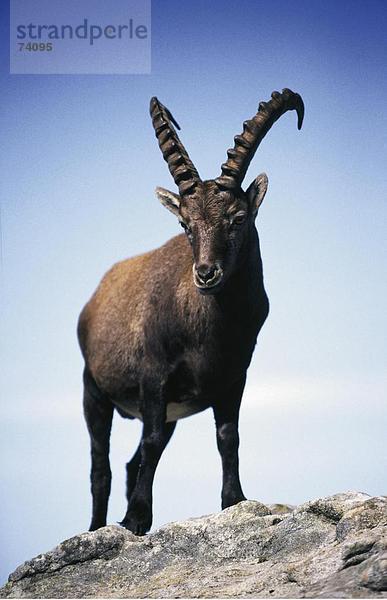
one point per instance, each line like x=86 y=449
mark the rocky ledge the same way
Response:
x=333 y=547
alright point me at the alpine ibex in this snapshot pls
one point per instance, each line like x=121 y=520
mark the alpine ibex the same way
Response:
x=171 y=332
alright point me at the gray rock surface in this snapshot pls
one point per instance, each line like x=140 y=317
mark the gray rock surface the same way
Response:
x=333 y=547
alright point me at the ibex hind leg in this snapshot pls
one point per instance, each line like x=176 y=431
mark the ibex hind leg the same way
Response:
x=132 y=467
x=140 y=472
x=98 y=412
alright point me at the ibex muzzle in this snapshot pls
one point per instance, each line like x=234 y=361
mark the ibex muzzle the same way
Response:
x=207 y=277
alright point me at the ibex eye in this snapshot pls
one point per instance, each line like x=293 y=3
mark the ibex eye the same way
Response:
x=239 y=219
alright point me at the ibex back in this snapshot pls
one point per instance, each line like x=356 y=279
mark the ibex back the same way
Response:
x=172 y=332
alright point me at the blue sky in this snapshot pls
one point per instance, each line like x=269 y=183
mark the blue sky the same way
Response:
x=79 y=165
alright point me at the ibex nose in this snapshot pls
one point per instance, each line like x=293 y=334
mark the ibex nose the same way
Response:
x=207 y=275
x=205 y=272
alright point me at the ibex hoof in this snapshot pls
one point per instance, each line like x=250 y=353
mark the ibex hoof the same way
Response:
x=137 y=521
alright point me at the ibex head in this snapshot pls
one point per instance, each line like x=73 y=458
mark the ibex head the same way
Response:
x=217 y=215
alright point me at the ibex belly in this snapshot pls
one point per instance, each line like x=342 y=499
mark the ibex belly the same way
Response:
x=175 y=410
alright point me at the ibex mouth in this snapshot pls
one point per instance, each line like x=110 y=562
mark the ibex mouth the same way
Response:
x=208 y=285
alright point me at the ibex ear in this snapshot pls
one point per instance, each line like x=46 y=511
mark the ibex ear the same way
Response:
x=256 y=192
x=170 y=200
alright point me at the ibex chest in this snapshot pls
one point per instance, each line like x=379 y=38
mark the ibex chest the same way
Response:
x=219 y=347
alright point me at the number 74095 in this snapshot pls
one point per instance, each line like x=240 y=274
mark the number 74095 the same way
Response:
x=35 y=46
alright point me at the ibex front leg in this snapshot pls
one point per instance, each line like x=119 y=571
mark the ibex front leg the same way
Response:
x=98 y=413
x=226 y=413
x=155 y=436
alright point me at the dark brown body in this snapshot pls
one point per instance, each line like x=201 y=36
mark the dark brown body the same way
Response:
x=200 y=344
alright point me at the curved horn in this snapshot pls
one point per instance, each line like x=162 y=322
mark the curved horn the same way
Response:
x=254 y=130
x=179 y=163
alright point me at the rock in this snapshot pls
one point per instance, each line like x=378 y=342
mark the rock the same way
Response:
x=280 y=509
x=330 y=547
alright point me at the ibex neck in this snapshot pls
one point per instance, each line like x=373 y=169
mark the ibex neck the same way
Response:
x=248 y=271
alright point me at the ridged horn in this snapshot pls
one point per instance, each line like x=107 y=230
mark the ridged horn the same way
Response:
x=254 y=130
x=179 y=163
